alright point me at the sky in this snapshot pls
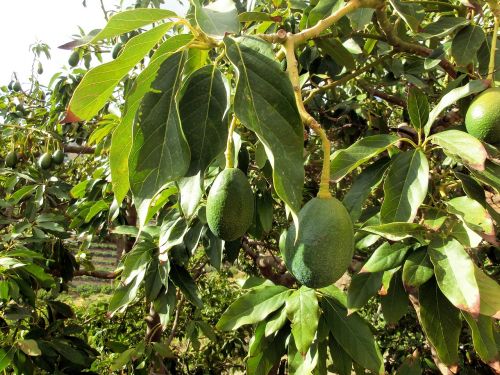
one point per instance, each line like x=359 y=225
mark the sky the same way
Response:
x=25 y=22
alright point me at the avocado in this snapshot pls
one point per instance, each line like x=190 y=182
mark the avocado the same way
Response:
x=230 y=205
x=58 y=157
x=11 y=159
x=74 y=59
x=323 y=249
x=45 y=160
x=483 y=116
x=116 y=50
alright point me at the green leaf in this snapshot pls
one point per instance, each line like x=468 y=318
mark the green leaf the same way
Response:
x=440 y=321
x=213 y=248
x=129 y=20
x=353 y=335
x=397 y=231
x=171 y=234
x=483 y=337
x=264 y=102
x=411 y=13
x=303 y=311
x=344 y=161
x=253 y=307
x=418 y=268
x=96 y=208
x=442 y=27
x=336 y=50
x=23 y=192
x=121 y=140
x=321 y=10
x=362 y=186
x=299 y=363
x=4 y=359
x=463 y=145
x=395 y=302
x=466 y=43
x=418 y=107
x=276 y=321
x=386 y=257
x=265 y=210
x=265 y=352
x=160 y=152
x=202 y=108
x=405 y=187
x=218 y=18
x=360 y=18
x=124 y=295
x=454 y=272
x=30 y=347
x=183 y=280
x=490 y=176
x=489 y=292
x=363 y=286
x=473 y=213
x=410 y=366
x=164 y=304
x=451 y=97
x=342 y=363
x=99 y=83
x=255 y=16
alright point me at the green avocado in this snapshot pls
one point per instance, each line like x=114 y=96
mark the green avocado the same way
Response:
x=74 y=59
x=11 y=159
x=230 y=205
x=17 y=86
x=45 y=161
x=58 y=157
x=323 y=249
x=116 y=50
x=483 y=116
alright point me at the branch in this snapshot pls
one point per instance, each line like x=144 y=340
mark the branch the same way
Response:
x=108 y=275
x=382 y=95
x=77 y=149
x=403 y=46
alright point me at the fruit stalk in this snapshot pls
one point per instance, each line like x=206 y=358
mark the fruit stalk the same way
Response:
x=491 y=65
x=229 y=146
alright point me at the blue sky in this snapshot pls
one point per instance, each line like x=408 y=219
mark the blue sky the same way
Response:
x=24 y=22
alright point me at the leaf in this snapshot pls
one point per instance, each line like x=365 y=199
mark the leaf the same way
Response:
x=264 y=102
x=360 y=18
x=417 y=269
x=202 y=108
x=362 y=186
x=98 y=84
x=275 y=322
x=96 y=208
x=489 y=292
x=183 y=280
x=466 y=43
x=473 y=213
x=4 y=359
x=213 y=248
x=440 y=321
x=30 y=347
x=490 y=176
x=395 y=302
x=397 y=231
x=253 y=307
x=334 y=48
x=171 y=234
x=129 y=20
x=344 y=161
x=123 y=295
x=303 y=311
x=442 y=27
x=411 y=13
x=256 y=17
x=418 y=107
x=265 y=210
x=353 y=334
x=363 y=286
x=190 y=189
x=451 y=97
x=454 y=272
x=483 y=337
x=299 y=363
x=121 y=140
x=164 y=304
x=322 y=10
x=463 y=145
x=386 y=257
x=159 y=153
x=342 y=363
x=405 y=187
x=218 y=18
x=265 y=352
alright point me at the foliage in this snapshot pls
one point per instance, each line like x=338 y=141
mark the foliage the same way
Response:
x=363 y=100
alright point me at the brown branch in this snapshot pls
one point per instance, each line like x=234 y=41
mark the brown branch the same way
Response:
x=76 y=149
x=403 y=46
x=108 y=275
x=382 y=95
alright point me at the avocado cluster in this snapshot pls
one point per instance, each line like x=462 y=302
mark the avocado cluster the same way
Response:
x=230 y=205
x=319 y=254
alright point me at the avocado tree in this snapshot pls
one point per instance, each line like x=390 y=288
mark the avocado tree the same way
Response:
x=336 y=149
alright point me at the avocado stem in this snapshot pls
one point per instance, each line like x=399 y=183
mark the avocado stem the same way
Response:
x=491 y=65
x=229 y=146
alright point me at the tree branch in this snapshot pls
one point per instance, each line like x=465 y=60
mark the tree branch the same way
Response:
x=77 y=149
x=382 y=95
x=108 y=275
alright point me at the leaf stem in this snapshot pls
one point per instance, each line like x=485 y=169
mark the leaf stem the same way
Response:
x=229 y=146
x=491 y=65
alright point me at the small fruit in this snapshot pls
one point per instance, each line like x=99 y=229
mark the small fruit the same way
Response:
x=116 y=50
x=58 y=157
x=483 y=116
x=11 y=159
x=17 y=86
x=230 y=205
x=45 y=160
x=323 y=249
x=74 y=59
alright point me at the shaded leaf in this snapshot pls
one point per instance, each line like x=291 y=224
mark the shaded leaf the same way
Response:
x=321 y=10
x=395 y=302
x=442 y=27
x=363 y=286
x=466 y=43
x=411 y=13
x=483 y=337
x=183 y=280
x=218 y=18
x=418 y=268
x=489 y=292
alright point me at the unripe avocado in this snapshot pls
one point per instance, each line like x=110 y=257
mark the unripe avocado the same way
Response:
x=323 y=249
x=230 y=205
x=116 y=50
x=58 y=157
x=17 y=86
x=74 y=59
x=45 y=161
x=11 y=159
x=483 y=116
